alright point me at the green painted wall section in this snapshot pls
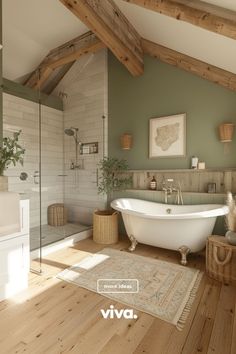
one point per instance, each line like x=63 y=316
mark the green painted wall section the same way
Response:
x=16 y=89
x=161 y=91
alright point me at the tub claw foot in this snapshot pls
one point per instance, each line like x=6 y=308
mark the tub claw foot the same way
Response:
x=134 y=243
x=184 y=251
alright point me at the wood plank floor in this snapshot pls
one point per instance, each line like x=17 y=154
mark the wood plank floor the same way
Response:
x=55 y=317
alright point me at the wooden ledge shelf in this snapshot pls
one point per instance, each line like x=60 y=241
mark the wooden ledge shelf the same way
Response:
x=188 y=170
x=183 y=192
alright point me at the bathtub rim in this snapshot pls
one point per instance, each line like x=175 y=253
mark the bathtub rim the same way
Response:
x=219 y=210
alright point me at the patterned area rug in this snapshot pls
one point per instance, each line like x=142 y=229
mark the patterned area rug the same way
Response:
x=166 y=290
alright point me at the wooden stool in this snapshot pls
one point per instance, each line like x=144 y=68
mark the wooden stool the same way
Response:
x=221 y=260
x=57 y=214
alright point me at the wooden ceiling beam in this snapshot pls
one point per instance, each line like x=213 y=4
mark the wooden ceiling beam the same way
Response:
x=105 y=19
x=65 y=54
x=210 y=17
x=57 y=76
x=38 y=77
x=195 y=66
x=73 y=50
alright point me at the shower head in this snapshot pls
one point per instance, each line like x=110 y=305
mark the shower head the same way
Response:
x=70 y=131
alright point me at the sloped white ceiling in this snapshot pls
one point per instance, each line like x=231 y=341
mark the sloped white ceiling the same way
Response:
x=30 y=29
x=227 y=4
x=182 y=36
x=33 y=27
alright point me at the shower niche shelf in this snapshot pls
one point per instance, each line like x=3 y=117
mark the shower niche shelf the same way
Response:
x=89 y=148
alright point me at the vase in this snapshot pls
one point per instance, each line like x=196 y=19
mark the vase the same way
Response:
x=3 y=183
x=231 y=237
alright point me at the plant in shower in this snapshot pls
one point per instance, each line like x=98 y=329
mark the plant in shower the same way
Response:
x=113 y=176
x=11 y=152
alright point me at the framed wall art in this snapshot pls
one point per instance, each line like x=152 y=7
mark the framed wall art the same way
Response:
x=167 y=136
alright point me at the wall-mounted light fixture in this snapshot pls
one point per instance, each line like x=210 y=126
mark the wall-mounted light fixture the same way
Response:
x=126 y=141
x=226 y=131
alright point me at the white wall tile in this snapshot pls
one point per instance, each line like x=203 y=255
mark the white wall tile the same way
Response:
x=27 y=119
x=86 y=86
x=84 y=107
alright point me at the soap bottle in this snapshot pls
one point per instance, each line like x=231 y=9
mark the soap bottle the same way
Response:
x=194 y=162
x=153 y=183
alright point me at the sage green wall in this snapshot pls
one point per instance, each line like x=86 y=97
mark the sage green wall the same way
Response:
x=161 y=91
x=16 y=89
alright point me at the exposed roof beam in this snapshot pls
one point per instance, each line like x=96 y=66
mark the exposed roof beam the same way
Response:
x=57 y=76
x=65 y=54
x=38 y=77
x=210 y=17
x=197 y=67
x=73 y=50
x=106 y=20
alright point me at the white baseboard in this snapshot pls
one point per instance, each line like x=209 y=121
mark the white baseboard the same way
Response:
x=66 y=242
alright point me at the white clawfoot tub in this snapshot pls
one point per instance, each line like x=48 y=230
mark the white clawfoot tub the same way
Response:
x=176 y=227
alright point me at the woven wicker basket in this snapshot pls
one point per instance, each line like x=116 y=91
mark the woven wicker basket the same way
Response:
x=221 y=260
x=57 y=214
x=105 y=227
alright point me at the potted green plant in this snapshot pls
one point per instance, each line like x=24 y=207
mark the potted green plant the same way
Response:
x=113 y=177
x=11 y=153
x=231 y=220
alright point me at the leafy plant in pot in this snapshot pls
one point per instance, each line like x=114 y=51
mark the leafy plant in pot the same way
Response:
x=113 y=178
x=231 y=220
x=11 y=153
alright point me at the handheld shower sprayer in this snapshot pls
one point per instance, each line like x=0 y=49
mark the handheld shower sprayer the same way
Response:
x=74 y=132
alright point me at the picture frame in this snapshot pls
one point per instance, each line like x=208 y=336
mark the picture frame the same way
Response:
x=167 y=136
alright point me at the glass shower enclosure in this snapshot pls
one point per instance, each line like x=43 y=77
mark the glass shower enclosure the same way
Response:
x=43 y=178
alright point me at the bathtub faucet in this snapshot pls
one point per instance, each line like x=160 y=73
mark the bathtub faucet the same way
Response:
x=169 y=189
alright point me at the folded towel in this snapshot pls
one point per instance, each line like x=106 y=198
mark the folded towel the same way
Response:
x=9 y=213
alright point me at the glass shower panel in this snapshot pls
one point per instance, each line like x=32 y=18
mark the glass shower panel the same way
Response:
x=24 y=116
x=59 y=215
x=52 y=177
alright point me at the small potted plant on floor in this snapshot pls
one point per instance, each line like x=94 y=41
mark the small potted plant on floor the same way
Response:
x=11 y=153
x=231 y=220
x=113 y=178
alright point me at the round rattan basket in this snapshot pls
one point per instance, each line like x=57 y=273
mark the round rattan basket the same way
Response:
x=105 y=227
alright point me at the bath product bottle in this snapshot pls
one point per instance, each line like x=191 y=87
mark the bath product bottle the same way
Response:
x=194 y=162
x=153 y=183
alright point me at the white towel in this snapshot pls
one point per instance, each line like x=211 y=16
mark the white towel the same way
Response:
x=9 y=213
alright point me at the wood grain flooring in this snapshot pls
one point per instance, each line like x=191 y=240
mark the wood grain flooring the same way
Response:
x=54 y=317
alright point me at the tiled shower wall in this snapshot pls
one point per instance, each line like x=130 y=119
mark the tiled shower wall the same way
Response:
x=21 y=114
x=85 y=93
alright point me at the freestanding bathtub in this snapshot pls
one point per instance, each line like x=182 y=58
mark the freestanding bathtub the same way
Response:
x=176 y=227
